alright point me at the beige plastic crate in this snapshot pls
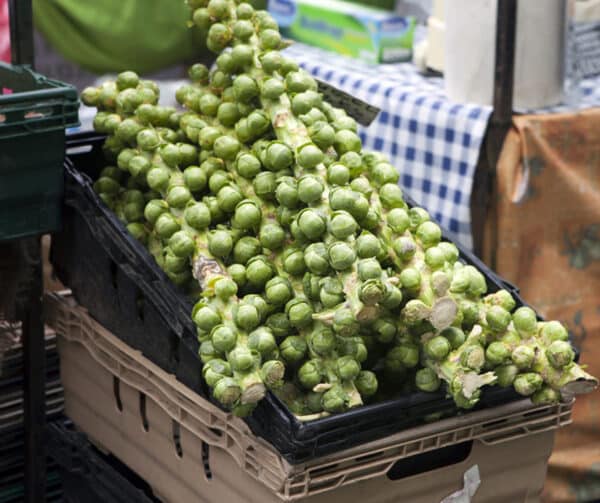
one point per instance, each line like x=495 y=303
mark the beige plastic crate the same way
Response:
x=190 y=451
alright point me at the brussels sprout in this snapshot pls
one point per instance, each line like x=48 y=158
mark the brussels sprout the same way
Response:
x=347 y=368
x=322 y=342
x=341 y=255
x=346 y=141
x=258 y=271
x=220 y=243
x=344 y=323
x=528 y=383
x=367 y=245
x=560 y=354
x=309 y=156
x=299 y=312
x=473 y=357
x=497 y=318
x=427 y=380
x=293 y=348
x=437 y=348
x=523 y=356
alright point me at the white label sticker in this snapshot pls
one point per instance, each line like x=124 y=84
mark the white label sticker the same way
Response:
x=471 y=484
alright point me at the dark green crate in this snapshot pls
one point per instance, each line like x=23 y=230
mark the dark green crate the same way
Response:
x=34 y=112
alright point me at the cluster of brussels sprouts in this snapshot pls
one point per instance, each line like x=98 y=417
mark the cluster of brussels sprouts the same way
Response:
x=312 y=276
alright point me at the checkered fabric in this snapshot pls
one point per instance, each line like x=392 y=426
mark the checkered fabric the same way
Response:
x=433 y=142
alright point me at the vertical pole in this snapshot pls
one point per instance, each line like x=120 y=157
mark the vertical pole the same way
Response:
x=21 y=31
x=482 y=197
x=34 y=354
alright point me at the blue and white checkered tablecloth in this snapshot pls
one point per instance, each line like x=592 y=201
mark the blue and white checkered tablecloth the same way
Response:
x=434 y=142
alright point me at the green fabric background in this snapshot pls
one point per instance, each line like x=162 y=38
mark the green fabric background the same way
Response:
x=116 y=35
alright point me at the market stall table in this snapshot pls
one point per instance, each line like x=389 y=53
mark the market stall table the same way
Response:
x=434 y=142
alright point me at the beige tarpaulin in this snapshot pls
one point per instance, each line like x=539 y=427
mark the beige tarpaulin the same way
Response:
x=544 y=235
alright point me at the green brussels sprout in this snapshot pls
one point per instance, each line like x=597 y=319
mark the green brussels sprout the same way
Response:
x=270 y=39
x=367 y=245
x=372 y=292
x=299 y=312
x=247 y=215
x=197 y=216
x=404 y=356
x=242 y=56
x=237 y=272
x=335 y=399
x=404 y=247
x=554 y=331
x=271 y=236
x=182 y=244
x=497 y=318
x=205 y=317
x=341 y=255
x=271 y=61
x=154 y=209
x=310 y=374
x=332 y=292
x=223 y=338
x=262 y=341
x=287 y=192
x=525 y=321
x=427 y=380
x=265 y=185
x=225 y=288
x=219 y=34
x=311 y=224
x=207 y=137
x=316 y=258
x=344 y=323
x=366 y=383
x=369 y=269
x=523 y=357
x=384 y=172
x=346 y=141
x=310 y=189
x=229 y=197
x=278 y=290
x=347 y=368
x=246 y=316
x=293 y=349
x=560 y=354
x=246 y=248
x=243 y=29
x=437 y=348
x=245 y=88
x=227 y=391
x=456 y=337
x=385 y=330
x=342 y=224
x=435 y=258
x=506 y=375
x=241 y=359
x=309 y=156
x=497 y=353
x=214 y=370
x=218 y=9
x=272 y=89
x=410 y=278
x=244 y=11
x=195 y=178
x=473 y=357
x=297 y=81
x=322 y=342
x=279 y=324
x=258 y=271
x=226 y=147
x=528 y=383
x=393 y=297
x=166 y=225
x=545 y=395
x=278 y=156
x=220 y=243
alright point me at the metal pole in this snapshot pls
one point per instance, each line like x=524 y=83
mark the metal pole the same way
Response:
x=34 y=354
x=500 y=122
x=21 y=31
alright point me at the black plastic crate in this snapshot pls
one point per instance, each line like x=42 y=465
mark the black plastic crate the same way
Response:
x=118 y=281
x=34 y=112
x=89 y=476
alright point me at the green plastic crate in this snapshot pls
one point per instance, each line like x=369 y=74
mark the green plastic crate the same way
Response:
x=34 y=112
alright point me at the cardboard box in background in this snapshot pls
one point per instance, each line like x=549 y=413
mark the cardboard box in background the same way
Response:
x=373 y=35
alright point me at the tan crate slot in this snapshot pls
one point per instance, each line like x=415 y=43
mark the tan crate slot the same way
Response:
x=183 y=427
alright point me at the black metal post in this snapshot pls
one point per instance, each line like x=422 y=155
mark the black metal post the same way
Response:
x=34 y=354
x=21 y=31
x=500 y=121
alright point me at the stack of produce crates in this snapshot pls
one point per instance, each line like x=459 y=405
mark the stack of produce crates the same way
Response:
x=188 y=449
x=34 y=113
x=12 y=439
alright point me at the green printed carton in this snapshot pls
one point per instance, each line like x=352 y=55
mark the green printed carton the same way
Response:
x=373 y=35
